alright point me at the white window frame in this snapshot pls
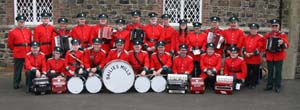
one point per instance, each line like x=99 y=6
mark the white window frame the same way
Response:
x=35 y=22
x=182 y=12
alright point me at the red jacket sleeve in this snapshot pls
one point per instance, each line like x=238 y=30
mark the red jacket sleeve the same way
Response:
x=28 y=65
x=190 y=64
x=10 y=40
x=44 y=66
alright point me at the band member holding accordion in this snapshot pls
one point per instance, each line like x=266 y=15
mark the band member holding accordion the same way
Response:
x=121 y=33
x=252 y=48
x=181 y=35
x=135 y=28
x=277 y=42
x=35 y=64
x=161 y=60
x=183 y=63
x=56 y=65
x=43 y=34
x=196 y=41
x=95 y=58
x=167 y=34
x=139 y=59
x=235 y=66
x=81 y=31
x=18 y=42
x=63 y=33
x=233 y=35
x=118 y=52
x=211 y=63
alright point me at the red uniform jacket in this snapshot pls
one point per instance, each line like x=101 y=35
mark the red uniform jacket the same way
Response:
x=237 y=66
x=213 y=62
x=182 y=65
x=152 y=34
x=142 y=57
x=38 y=62
x=123 y=35
x=196 y=41
x=216 y=31
x=97 y=32
x=179 y=39
x=44 y=35
x=59 y=65
x=82 y=33
x=132 y=26
x=167 y=35
x=113 y=55
x=165 y=59
x=253 y=44
x=19 y=42
x=93 y=59
x=277 y=56
x=72 y=64
x=234 y=36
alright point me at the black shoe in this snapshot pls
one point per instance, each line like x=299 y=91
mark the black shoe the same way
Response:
x=268 y=88
x=16 y=86
x=277 y=90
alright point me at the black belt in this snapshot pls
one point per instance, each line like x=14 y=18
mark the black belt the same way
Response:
x=26 y=44
x=45 y=43
x=73 y=64
x=86 y=42
x=167 y=42
x=230 y=45
x=235 y=71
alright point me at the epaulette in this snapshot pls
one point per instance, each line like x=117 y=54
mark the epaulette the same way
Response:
x=42 y=53
x=103 y=51
x=28 y=53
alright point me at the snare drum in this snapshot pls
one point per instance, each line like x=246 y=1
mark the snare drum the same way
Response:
x=93 y=84
x=75 y=85
x=158 y=84
x=142 y=84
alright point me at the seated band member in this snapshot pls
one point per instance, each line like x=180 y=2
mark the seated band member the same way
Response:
x=211 y=63
x=183 y=63
x=35 y=64
x=118 y=52
x=56 y=65
x=139 y=59
x=235 y=66
x=74 y=60
x=161 y=60
x=94 y=58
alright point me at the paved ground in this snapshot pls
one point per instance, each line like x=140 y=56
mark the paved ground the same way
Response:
x=246 y=99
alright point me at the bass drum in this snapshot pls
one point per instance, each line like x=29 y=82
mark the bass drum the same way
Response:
x=158 y=84
x=142 y=84
x=93 y=84
x=75 y=85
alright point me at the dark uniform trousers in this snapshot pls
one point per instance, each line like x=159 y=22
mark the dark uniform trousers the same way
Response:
x=252 y=75
x=18 y=66
x=274 y=67
x=196 y=71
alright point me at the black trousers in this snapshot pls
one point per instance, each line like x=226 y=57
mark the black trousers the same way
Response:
x=274 y=67
x=252 y=76
x=210 y=82
x=18 y=66
x=30 y=75
x=196 y=70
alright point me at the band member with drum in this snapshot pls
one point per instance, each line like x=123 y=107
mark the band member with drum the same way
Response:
x=118 y=52
x=181 y=35
x=161 y=61
x=18 y=42
x=275 y=54
x=183 y=63
x=82 y=31
x=35 y=64
x=217 y=33
x=139 y=59
x=196 y=41
x=121 y=33
x=152 y=32
x=102 y=31
x=94 y=58
x=167 y=34
x=233 y=35
x=135 y=21
x=252 y=47
x=235 y=66
x=74 y=60
x=43 y=34
x=56 y=65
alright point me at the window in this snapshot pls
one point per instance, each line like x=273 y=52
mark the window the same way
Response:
x=179 y=9
x=32 y=10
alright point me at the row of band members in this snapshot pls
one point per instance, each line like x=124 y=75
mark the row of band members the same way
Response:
x=252 y=44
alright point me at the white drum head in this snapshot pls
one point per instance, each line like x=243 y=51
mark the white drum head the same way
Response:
x=142 y=84
x=118 y=76
x=93 y=84
x=75 y=85
x=158 y=84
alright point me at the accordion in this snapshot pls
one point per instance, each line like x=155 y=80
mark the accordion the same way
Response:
x=105 y=33
x=41 y=86
x=224 y=84
x=215 y=40
x=197 y=85
x=58 y=85
x=137 y=35
x=273 y=45
x=177 y=83
x=64 y=42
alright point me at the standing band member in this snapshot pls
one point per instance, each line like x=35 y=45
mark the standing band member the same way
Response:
x=56 y=65
x=121 y=33
x=82 y=30
x=181 y=35
x=233 y=35
x=167 y=34
x=161 y=61
x=139 y=59
x=152 y=33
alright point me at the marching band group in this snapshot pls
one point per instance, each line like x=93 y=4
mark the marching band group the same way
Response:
x=150 y=49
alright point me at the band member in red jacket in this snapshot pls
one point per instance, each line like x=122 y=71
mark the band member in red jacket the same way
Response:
x=161 y=61
x=181 y=35
x=82 y=31
x=217 y=33
x=74 y=60
x=136 y=21
x=139 y=59
x=61 y=32
x=43 y=34
x=94 y=58
x=102 y=31
x=211 y=63
x=167 y=34
x=118 y=52
x=183 y=63
x=252 y=47
x=35 y=64
x=121 y=33
x=196 y=41
x=152 y=33
x=235 y=66
x=275 y=55
x=233 y=35
x=56 y=65
x=18 y=42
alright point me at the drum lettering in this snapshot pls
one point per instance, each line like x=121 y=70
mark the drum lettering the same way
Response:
x=126 y=70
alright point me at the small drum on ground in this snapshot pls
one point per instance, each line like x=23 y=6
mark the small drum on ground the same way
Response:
x=93 y=84
x=197 y=85
x=59 y=85
x=158 y=84
x=177 y=83
x=142 y=84
x=224 y=84
x=75 y=85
